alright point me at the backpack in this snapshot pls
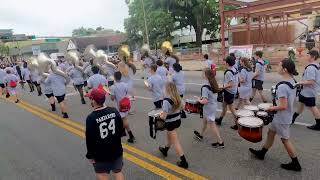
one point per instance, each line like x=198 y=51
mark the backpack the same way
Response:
x=13 y=84
x=124 y=104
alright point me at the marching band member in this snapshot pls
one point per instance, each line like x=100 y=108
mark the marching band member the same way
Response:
x=119 y=91
x=156 y=86
x=35 y=77
x=147 y=62
x=308 y=94
x=171 y=110
x=96 y=79
x=178 y=80
x=127 y=72
x=2 y=80
x=110 y=69
x=87 y=70
x=58 y=85
x=161 y=70
x=170 y=58
x=209 y=100
x=78 y=81
x=11 y=81
x=230 y=85
x=258 y=77
x=25 y=72
x=245 y=78
x=281 y=123
x=48 y=92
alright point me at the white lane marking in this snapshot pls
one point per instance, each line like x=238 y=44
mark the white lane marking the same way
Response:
x=72 y=94
x=303 y=124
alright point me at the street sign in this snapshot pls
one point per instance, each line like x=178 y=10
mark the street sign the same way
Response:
x=71 y=46
x=36 y=50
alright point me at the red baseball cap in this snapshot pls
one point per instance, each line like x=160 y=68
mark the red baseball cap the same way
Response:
x=98 y=94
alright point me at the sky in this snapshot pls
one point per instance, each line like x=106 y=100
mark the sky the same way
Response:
x=60 y=17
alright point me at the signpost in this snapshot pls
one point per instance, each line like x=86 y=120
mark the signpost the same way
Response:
x=241 y=51
x=36 y=50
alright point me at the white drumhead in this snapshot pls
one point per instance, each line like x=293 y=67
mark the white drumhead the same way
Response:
x=251 y=122
x=155 y=112
x=251 y=107
x=244 y=113
x=146 y=83
x=262 y=113
x=265 y=106
x=192 y=101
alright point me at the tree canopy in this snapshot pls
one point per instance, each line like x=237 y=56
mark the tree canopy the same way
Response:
x=91 y=31
x=165 y=16
x=160 y=23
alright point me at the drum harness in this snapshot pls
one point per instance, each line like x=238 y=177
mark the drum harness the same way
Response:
x=153 y=121
x=274 y=94
x=300 y=87
x=220 y=93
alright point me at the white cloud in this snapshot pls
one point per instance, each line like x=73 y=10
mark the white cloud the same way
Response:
x=60 y=17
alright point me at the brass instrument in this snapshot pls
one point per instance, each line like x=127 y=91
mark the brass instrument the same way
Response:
x=102 y=60
x=145 y=50
x=166 y=47
x=124 y=52
x=89 y=53
x=73 y=58
x=45 y=64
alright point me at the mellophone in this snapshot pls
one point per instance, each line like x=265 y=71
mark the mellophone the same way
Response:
x=251 y=120
x=155 y=122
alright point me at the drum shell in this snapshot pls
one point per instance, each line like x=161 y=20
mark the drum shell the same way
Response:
x=193 y=107
x=266 y=118
x=251 y=134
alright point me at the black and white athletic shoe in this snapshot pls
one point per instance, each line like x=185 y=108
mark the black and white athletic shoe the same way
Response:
x=197 y=135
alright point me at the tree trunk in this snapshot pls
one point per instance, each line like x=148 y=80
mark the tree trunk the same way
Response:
x=199 y=32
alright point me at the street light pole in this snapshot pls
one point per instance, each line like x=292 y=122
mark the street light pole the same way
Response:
x=144 y=18
x=145 y=21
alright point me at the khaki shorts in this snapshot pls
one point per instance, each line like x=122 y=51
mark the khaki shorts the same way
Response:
x=282 y=130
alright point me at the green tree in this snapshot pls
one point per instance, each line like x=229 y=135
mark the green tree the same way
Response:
x=4 y=50
x=159 y=22
x=198 y=14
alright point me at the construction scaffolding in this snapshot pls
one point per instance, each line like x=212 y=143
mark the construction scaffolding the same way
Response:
x=259 y=15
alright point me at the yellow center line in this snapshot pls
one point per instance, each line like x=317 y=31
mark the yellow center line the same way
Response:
x=81 y=134
x=127 y=147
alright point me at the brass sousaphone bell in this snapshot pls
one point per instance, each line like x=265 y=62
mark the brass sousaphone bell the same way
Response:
x=124 y=52
x=166 y=47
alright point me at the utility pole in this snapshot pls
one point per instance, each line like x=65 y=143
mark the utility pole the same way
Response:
x=145 y=21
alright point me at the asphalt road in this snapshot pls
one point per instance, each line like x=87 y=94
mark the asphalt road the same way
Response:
x=34 y=146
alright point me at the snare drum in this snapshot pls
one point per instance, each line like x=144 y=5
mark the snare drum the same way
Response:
x=250 y=128
x=265 y=116
x=155 y=122
x=264 y=106
x=251 y=108
x=244 y=113
x=192 y=106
